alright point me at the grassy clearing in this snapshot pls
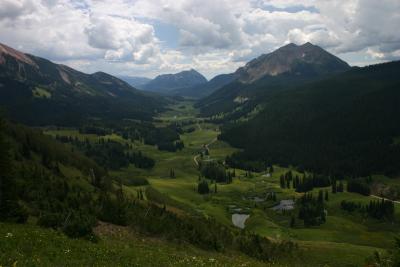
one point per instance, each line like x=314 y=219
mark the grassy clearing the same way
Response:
x=41 y=93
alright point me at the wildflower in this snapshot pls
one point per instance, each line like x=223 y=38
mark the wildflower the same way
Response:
x=9 y=235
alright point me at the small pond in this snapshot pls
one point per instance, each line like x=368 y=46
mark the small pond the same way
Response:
x=239 y=220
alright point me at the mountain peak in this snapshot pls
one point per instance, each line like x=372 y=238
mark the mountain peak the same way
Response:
x=292 y=58
x=290 y=45
x=308 y=44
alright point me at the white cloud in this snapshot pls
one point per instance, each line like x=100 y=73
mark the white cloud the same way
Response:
x=122 y=38
x=14 y=8
x=214 y=36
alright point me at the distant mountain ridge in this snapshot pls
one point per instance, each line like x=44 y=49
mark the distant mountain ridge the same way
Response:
x=300 y=60
x=60 y=94
x=168 y=83
x=135 y=81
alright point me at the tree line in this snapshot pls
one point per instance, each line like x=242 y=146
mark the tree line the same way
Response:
x=378 y=209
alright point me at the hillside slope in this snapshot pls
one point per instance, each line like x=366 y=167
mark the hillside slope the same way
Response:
x=61 y=95
x=346 y=124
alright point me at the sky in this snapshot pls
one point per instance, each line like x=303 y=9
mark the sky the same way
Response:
x=152 y=37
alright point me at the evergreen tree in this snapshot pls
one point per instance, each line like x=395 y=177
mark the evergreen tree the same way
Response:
x=334 y=187
x=171 y=173
x=292 y=221
x=320 y=196
x=202 y=187
x=282 y=181
x=326 y=195
x=271 y=169
x=340 y=187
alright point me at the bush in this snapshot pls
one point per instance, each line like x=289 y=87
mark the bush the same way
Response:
x=202 y=187
x=50 y=220
x=136 y=181
x=79 y=224
x=13 y=213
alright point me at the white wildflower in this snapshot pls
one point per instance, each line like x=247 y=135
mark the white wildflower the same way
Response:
x=9 y=235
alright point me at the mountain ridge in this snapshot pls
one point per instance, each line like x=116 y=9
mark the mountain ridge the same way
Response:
x=167 y=83
x=58 y=92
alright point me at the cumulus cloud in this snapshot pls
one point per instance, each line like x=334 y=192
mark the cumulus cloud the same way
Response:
x=214 y=36
x=14 y=8
x=122 y=38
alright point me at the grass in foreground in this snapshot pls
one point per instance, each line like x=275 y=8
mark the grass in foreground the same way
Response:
x=29 y=245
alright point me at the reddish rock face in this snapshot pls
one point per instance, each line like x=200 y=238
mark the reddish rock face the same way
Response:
x=286 y=58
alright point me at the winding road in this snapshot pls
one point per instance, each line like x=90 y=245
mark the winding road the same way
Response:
x=198 y=155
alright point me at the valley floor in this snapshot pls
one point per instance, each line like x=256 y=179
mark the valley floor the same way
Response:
x=344 y=240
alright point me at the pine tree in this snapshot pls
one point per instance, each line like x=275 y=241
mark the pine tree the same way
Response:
x=334 y=187
x=320 y=196
x=271 y=169
x=202 y=187
x=282 y=181
x=171 y=173
x=292 y=221
x=340 y=188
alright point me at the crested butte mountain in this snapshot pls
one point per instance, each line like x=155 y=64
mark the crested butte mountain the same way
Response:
x=306 y=59
x=288 y=65
x=175 y=83
x=61 y=95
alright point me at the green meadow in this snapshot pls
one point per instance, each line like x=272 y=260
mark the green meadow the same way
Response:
x=344 y=240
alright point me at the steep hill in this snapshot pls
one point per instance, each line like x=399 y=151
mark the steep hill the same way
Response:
x=346 y=124
x=36 y=91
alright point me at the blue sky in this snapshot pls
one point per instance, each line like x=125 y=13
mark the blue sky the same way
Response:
x=147 y=38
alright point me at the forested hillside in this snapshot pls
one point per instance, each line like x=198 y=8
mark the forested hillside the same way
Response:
x=346 y=125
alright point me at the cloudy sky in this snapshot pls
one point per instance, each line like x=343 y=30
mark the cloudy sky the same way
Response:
x=150 y=37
